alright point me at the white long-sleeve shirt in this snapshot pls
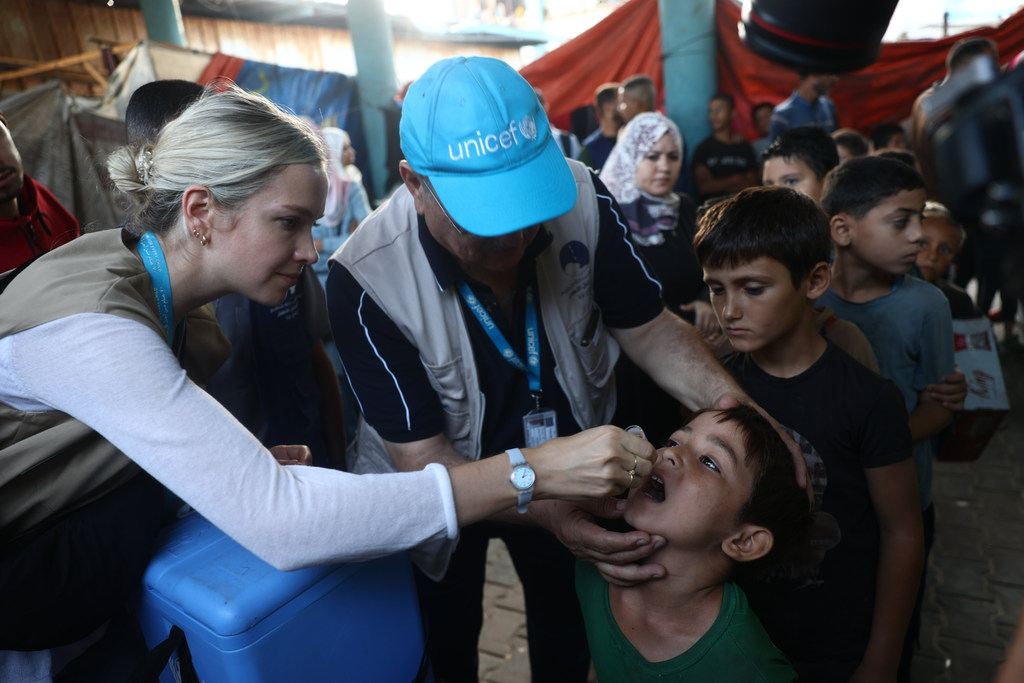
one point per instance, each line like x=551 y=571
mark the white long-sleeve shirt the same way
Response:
x=120 y=378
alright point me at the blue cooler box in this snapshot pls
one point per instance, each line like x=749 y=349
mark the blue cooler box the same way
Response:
x=246 y=622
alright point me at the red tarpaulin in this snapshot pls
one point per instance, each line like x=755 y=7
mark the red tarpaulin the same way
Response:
x=222 y=66
x=628 y=41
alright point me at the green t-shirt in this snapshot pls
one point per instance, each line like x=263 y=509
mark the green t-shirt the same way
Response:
x=735 y=648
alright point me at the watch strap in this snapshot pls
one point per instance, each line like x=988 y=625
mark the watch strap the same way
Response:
x=515 y=457
x=517 y=460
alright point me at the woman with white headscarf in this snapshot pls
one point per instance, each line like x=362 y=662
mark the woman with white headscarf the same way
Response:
x=641 y=173
x=347 y=204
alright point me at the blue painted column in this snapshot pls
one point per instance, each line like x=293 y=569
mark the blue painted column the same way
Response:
x=375 y=67
x=688 y=48
x=534 y=14
x=163 y=21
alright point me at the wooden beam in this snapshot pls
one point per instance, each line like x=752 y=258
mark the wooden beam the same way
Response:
x=63 y=74
x=95 y=73
x=56 y=64
x=16 y=61
x=77 y=76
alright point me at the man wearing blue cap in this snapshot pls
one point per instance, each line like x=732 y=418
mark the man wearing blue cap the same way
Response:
x=481 y=310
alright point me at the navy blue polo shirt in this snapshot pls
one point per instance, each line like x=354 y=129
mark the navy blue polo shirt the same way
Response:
x=387 y=376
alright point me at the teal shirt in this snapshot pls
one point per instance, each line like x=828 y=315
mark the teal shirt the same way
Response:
x=735 y=648
x=911 y=332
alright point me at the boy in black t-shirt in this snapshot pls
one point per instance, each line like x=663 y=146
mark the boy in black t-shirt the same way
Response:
x=724 y=162
x=765 y=257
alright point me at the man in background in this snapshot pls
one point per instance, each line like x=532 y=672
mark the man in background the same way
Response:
x=636 y=95
x=808 y=105
x=598 y=145
x=761 y=115
x=724 y=162
x=32 y=220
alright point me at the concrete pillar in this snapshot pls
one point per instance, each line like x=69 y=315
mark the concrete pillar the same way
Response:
x=163 y=21
x=534 y=14
x=688 y=47
x=375 y=66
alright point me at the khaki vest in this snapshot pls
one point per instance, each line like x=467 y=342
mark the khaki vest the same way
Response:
x=50 y=463
x=386 y=259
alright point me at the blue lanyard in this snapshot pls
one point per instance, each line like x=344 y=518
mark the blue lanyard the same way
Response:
x=153 y=259
x=532 y=365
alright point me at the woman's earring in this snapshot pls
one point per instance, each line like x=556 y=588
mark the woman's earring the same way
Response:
x=203 y=239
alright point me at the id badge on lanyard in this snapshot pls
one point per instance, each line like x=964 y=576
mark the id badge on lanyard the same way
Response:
x=538 y=425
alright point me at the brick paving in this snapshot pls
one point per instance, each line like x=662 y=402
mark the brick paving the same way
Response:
x=503 y=653
x=976 y=571
x=975 y=587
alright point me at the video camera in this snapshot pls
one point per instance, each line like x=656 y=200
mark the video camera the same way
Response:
x=975 y=119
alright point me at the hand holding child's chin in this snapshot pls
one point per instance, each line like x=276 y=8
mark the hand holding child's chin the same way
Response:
x=590 y=530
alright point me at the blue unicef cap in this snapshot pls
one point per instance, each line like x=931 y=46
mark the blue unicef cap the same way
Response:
x=474 y=126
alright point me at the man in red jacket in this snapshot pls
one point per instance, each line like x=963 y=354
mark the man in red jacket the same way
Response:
x=32 y=221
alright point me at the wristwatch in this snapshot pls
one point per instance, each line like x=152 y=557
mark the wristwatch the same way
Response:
x=522 y=478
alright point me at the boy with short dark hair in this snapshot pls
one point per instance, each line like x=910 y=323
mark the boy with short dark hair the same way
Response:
x=942 y=237
x=636 y=95
x=889 y=136
x=850 y=144
x=765 y=257
x=724 y=496
x=799 y=158
x=874 y=207
x=902 y=156
x=761 y=117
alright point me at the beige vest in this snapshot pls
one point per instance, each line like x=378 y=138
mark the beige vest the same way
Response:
x=51 y=464
x=386 y=259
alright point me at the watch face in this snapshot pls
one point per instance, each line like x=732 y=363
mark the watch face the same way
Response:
x=523 y=477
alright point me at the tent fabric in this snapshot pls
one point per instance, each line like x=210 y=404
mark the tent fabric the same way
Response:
x=222 y=66
x=58 y=139
x=628 y=41
x=146 y=62
x=64 y=141
x=316 y=95
x=625 y=43
x=881 y=93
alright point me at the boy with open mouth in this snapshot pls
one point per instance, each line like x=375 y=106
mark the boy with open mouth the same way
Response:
x=723 y=494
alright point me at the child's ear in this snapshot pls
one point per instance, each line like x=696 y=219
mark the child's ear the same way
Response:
x=818 y=281
x=841 y=227
x=750 y=542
